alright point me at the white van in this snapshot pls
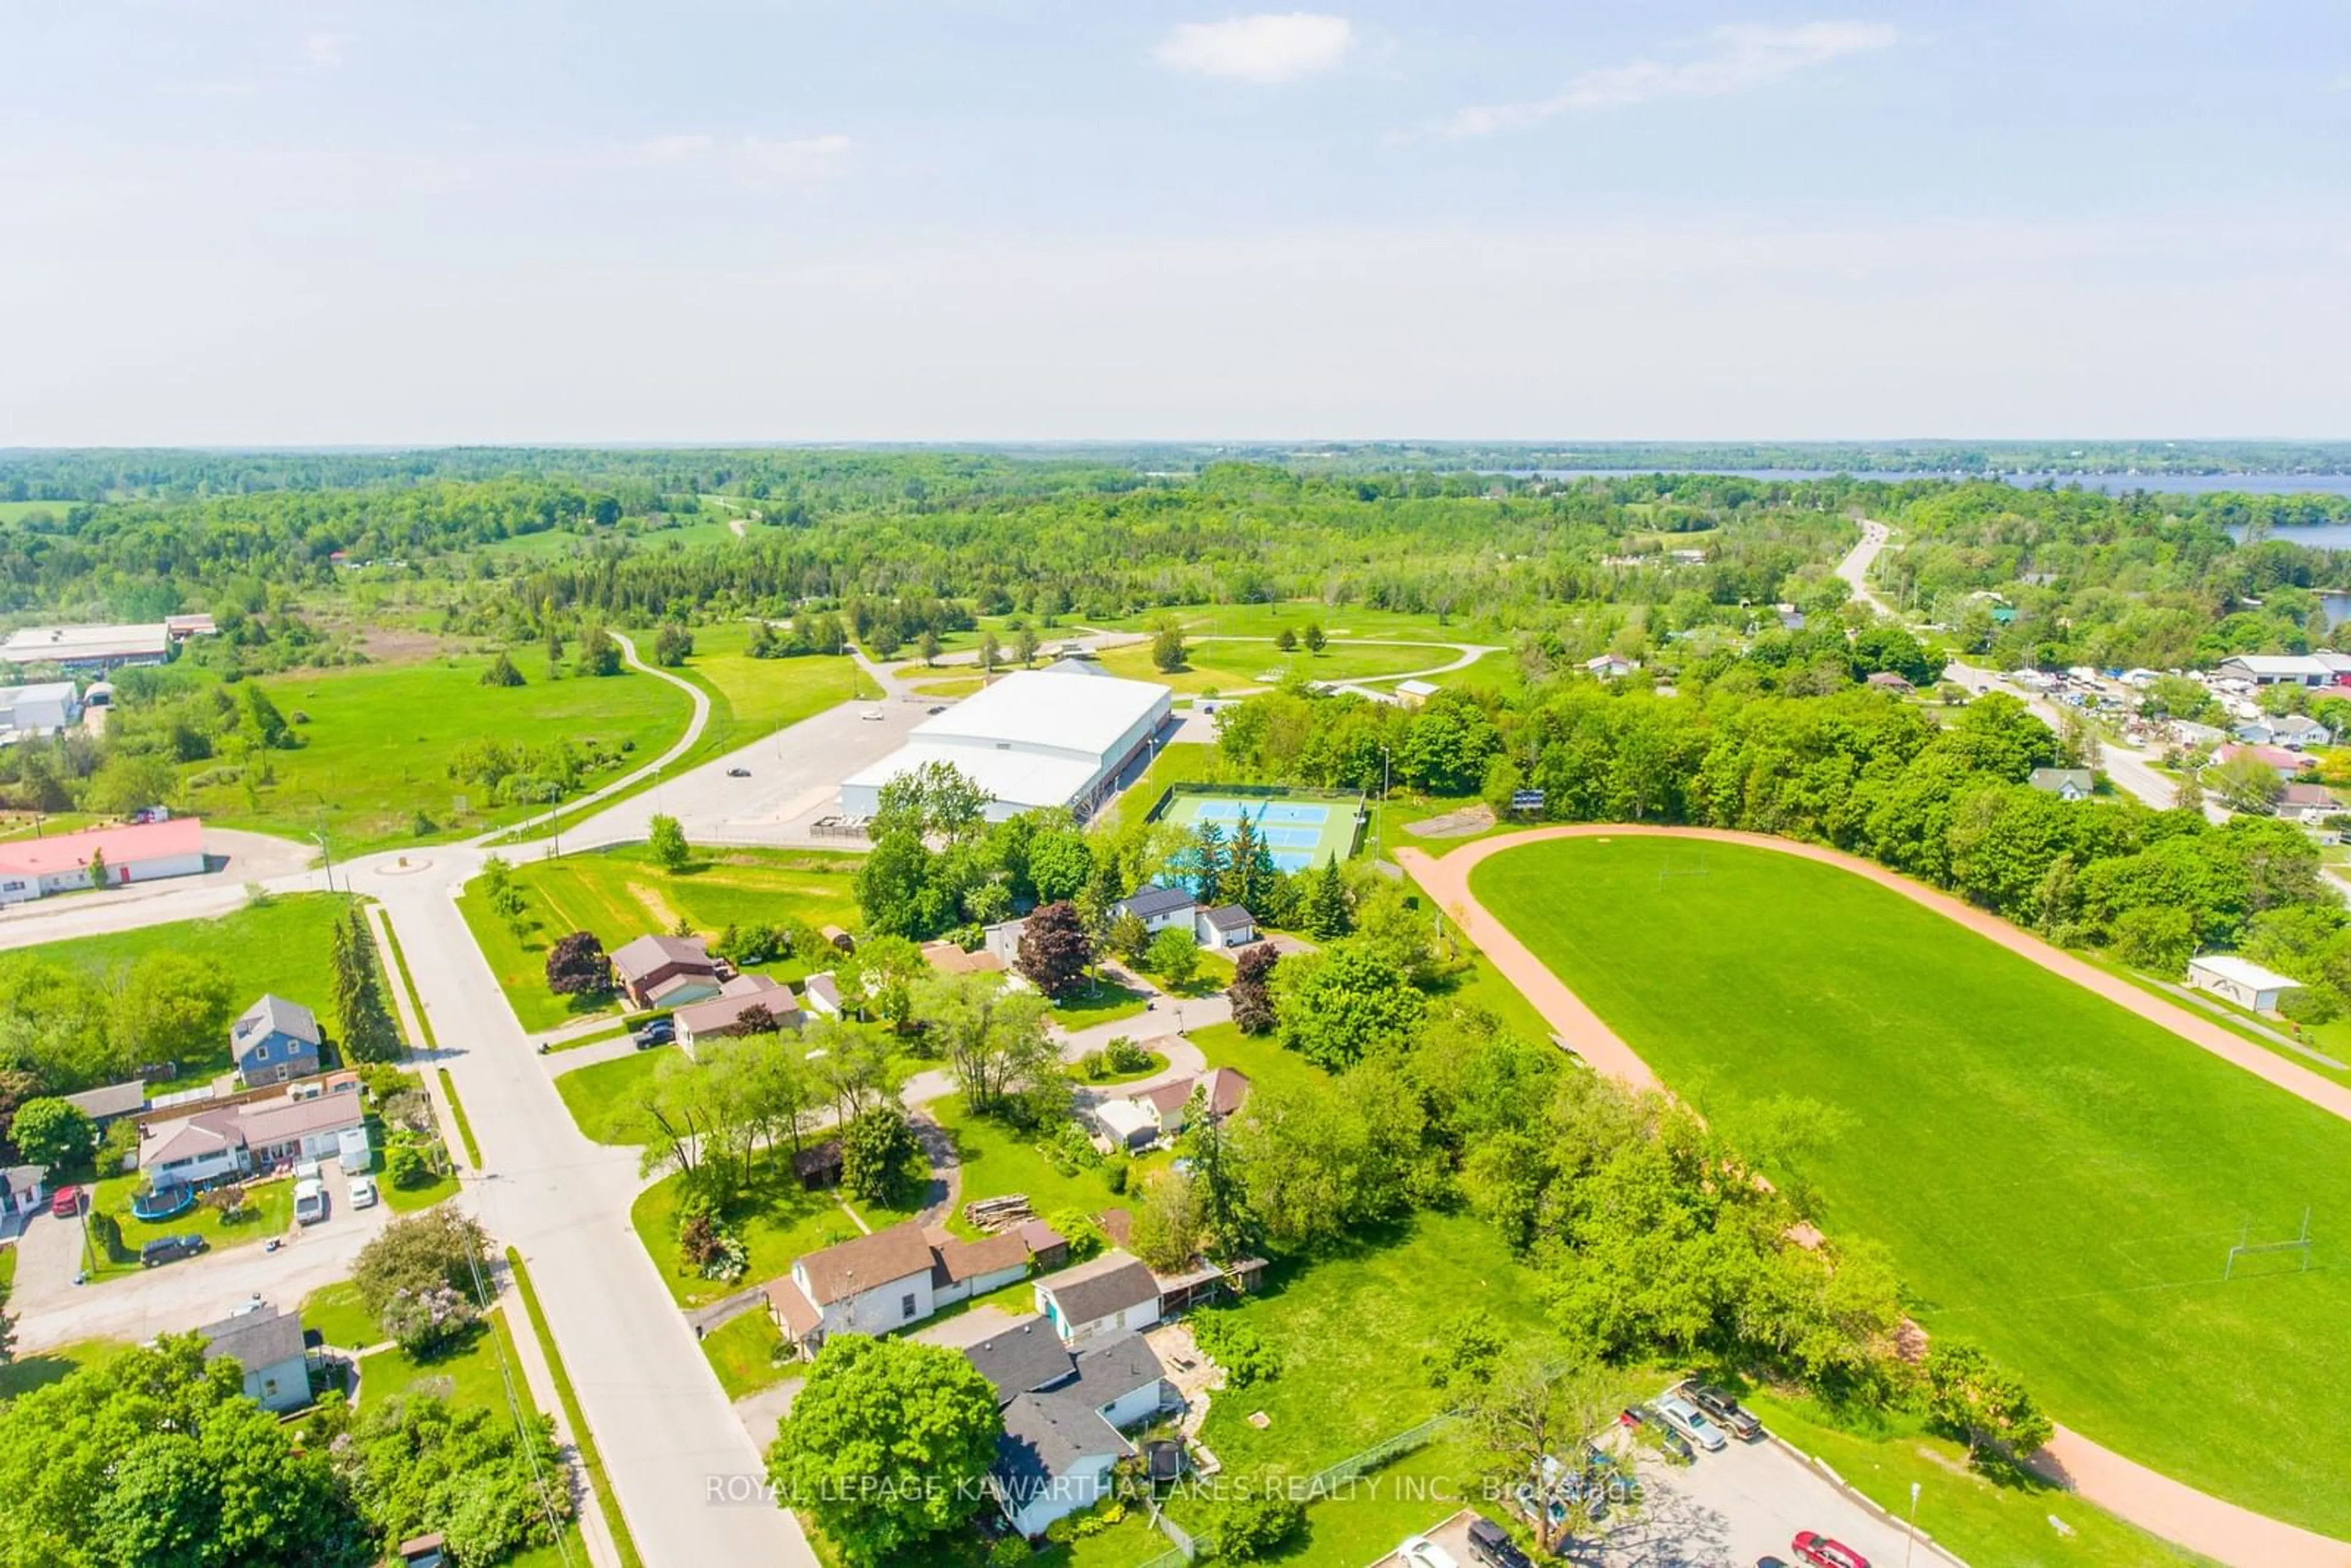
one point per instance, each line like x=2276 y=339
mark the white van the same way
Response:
x=1690 y=1421
x=309 y=1200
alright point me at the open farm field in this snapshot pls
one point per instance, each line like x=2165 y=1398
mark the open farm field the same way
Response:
x=374 y=768
x=2058 y=1180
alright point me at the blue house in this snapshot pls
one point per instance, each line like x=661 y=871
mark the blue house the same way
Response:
x=273 y=1041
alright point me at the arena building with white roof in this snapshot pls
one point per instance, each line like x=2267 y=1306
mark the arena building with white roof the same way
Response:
x=1034 y=739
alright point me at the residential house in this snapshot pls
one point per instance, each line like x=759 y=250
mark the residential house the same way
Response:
x=745 y=1004
x=1159 y=908
x=2240 y=980
x=1610 y=666
x=2288 y=763
x=1159 y=1112
x=274 y=1040
x=256 y=1134
x=430 y=1551
x=1002 y=941
x=142 y=852
x=962 y=1270
x=110 y=1103
x=1226 y=926
x=1888 y=681
x=2308 y=803
x=1412 y=694
x=268 y=1345
x=820 y=995
x=948 y=958
x=2275 y=669
x=1791 y=618
x=2300 y=731
x=25 y=1185
x=1065 y=1414
x=2065 y=783
x=662 y=971
x=868 y=1284
x=1110 y=1295
x=2190 y=734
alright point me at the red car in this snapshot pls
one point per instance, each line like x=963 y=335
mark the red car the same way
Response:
x=1822 y=1553
x=66 y=1202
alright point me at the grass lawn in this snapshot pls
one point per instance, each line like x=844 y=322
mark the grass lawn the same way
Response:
x=335 y=1312
x=1338 y=622
x=2058 y=1179
x=779 y=1222
x=996 y=1161
x=2333 y=1038
x=471 y=1376
x=284 y=944
x=1258 y=1056
x=1236 y=666
x=1179 y=762
x=377 y=747
x=605 y=1097
x=412 y=1199
x=742 y=1351
x=752 y=696
x=1103 y=1001
x=1977 y=1518
x=621 y=894
x=948 y=686
x=268 y=1211
x=8 y=1267
x=1157 y=1064
x=29 y=1370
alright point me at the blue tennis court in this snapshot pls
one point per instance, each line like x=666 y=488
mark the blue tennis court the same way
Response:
x=1299 y=833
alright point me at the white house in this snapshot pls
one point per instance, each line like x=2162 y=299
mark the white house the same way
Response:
x=2299 y=730
x=1065 y=1416
x=2240 y=980
x=1412 y=694
x=868 y=1284
x=2308 y=803
x=1155 y=1113
x=1610 y=666
x=1035 y=738
x=267 y=1344
x=1113 y=1295
x=961 y=1269
x=2065 y=783
x=34 y=868
x=318 y=1119
x=1226 y=926
x=1158 y=908
x=820 y=995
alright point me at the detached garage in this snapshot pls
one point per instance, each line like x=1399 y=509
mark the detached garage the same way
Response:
x=2240 y=980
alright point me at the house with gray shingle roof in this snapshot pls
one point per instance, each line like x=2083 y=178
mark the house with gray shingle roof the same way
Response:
x=1065 y=1415
x=273 y=1041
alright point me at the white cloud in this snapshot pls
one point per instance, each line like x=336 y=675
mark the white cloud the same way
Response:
x=1268 y=47
x=1736 y=57
x=327 y=51
x=802 y=160
x=668 y=149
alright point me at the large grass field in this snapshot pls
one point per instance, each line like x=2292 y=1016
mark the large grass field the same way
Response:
x=621 y=894
x=752 y=696
x=375 y=752
x=1338 y=622
x=2058 y=1180
x=284 y=944
x=1218 y=665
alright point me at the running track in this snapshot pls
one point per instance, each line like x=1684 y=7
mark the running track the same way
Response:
x=2154 y=1502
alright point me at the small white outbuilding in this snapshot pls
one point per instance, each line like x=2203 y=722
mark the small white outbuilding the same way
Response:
x=2240 y=980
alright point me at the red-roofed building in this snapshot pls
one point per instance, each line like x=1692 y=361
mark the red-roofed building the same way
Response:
x=34 y=868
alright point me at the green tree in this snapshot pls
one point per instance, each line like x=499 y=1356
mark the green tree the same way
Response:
x=1168 y=653
x=1024 y=646
x=992 y=651
x=51 y=1133
x=1174 y=957
x=1129 y=937
x=1336 y=1006
x=368 y=1033
x=1286 y=640
x=667 y=842
x=490 y=1484
x=888 y=1444
x=1167 y=1231
x=599 y=654
x=97 y=871
x=2244 y=783
x=1982 y=1404
x=672 y=645
x=996 y=1047
x=418 y=1277
x=130 y=781
x=1058 y=863
x=928 y=645
x=1313 y=638
x=1525 y=1412
x=1328 y=915
x=1251 y=1521
x=156 y=1456
x=879 y=1153
x=263 y=724
x=170 y=1007
x=502 y=671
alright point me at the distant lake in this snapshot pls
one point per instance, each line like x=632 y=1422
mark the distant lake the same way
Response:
x=2112 y=484
x=2335 y=535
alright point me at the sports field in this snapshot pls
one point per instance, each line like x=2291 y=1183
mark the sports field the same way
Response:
x=1300 y=834
x=2059 y=1180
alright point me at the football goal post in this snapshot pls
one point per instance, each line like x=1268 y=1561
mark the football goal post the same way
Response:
x=2247 y=1247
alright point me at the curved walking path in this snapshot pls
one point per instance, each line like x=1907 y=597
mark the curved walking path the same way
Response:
x=2154 y=1502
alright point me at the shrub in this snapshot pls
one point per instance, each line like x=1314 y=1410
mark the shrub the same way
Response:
x=1245 y=1524
x=1233 y=1345
x=1095 y=1065
x=1012 y=1552
x=2311 y=1006
x=1124 y=1055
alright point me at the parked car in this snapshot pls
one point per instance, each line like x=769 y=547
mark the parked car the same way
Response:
x=66 y=1202
x=306 y=1170
x=1491 y=1544
x=661 y=1031
x=1822 y=1552
x=1728 y=1414
x=738 y=773
x=871 y=715
x=1691 y=1422
x=171 y=1249
x=309 y=1201
x=363 y=1193
x=1768 y=1561
x=1420 y=1552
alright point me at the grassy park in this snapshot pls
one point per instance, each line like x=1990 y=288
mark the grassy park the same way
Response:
x=2058 y=1180
x=377 y=741
x=750 y=697
x=620 y=894
x=1231 y=666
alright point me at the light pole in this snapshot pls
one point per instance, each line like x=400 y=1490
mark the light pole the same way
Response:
x=555 y=816
x=320 y=839
x=1912 y=1539
x=1379 y=817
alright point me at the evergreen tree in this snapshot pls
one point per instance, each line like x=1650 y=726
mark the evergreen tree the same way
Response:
x=1249 y=872
x=502 y=672
x=1209 y=861
x=368 y=1033
x=1328 y=915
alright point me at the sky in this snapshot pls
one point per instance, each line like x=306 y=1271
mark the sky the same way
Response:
x=245 y=223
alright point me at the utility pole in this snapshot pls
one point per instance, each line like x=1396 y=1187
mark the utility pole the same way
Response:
x=1912 y=1539
x=555 y=815
x=319 y=838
